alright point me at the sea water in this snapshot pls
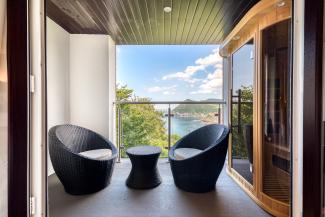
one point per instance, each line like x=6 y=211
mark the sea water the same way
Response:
x=183 y=125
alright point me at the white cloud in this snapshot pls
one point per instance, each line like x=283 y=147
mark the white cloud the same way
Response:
x=188 y=73
x=217 y=74
x=211 y=84
x=165 y=90
x=213 y=59
x=180 y=75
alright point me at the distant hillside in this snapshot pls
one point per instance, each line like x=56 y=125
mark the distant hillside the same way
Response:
x=196 y=108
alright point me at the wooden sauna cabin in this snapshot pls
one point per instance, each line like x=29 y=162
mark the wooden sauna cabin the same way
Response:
x=257 y=55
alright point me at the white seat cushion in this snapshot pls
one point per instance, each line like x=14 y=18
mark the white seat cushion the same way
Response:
x=183 y=153
x=97 y=154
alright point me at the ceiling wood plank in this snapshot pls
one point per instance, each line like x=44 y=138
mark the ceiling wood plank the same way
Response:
x=189 y=19
x=196 y=20
x=176 y=5
x=145 y=22
x=211 y=21
x=144 y=30
x=167 y=23
x=153 y=19
x=209 y=7
x=182 y=20
x=122 y=23
x=160 y=21
x=225 y=8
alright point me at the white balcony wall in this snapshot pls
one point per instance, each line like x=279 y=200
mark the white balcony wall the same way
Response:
x=89 y=82
x=80 y=81
x=58 y=65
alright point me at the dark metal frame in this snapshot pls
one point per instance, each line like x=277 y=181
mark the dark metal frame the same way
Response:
x=18 y=107
x=312 y=108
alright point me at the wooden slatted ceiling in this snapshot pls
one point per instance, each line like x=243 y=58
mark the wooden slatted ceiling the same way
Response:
x=145 y=22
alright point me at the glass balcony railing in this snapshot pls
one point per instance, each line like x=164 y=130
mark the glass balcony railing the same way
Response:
x=162 y=124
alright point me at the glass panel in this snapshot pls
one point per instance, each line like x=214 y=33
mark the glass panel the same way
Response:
x=143 y=124
x=3 y=111
x=189 y=117
x=150 y=123
x=276 y=122
x=242 y=110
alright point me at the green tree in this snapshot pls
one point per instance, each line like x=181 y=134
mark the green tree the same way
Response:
x=246 y=116
x=141 y=123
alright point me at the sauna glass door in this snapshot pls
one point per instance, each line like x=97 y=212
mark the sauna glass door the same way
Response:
x=276 y=85
x=242 y=111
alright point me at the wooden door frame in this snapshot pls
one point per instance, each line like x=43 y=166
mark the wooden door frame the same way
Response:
x=312 y=108
x=18 y=107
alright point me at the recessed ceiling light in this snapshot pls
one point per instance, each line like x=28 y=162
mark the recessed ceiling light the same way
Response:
x=167 y=9
x=281 y=4
x=235 y=38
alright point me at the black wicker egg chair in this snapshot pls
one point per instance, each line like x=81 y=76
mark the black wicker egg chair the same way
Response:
x=79 y=174
x=200 y=172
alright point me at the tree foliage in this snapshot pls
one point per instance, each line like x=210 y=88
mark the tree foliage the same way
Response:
x=142 y=124
x=239 y=149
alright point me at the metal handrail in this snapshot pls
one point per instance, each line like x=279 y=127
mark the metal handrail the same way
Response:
x=169 y=115
x=170 y=102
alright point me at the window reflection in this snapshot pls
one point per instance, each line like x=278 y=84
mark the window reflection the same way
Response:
x=276 y=105
x=242 y=110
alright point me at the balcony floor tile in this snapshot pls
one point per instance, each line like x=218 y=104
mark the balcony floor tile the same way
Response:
x=228 y=200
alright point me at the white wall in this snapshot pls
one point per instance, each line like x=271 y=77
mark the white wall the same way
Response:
x=112 y=87
x=58 y=66
x=80 y=80
x=89 y=82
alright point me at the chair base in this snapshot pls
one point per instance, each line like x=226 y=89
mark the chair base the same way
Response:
x=84 y=191
x=196 y=189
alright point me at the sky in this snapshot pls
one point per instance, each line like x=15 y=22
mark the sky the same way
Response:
x=171 y=72
x=243 y=67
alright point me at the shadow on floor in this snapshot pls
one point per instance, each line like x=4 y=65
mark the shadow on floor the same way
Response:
x=228 y=200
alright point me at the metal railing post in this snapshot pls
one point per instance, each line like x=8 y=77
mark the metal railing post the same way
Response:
x=119 y=133
x=219 y=114
x=169 y=126
x=239 y=111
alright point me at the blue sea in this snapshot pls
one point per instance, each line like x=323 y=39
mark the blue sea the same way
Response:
x=183 y=125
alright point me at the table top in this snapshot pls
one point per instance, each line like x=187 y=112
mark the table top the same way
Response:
x=144 y=150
